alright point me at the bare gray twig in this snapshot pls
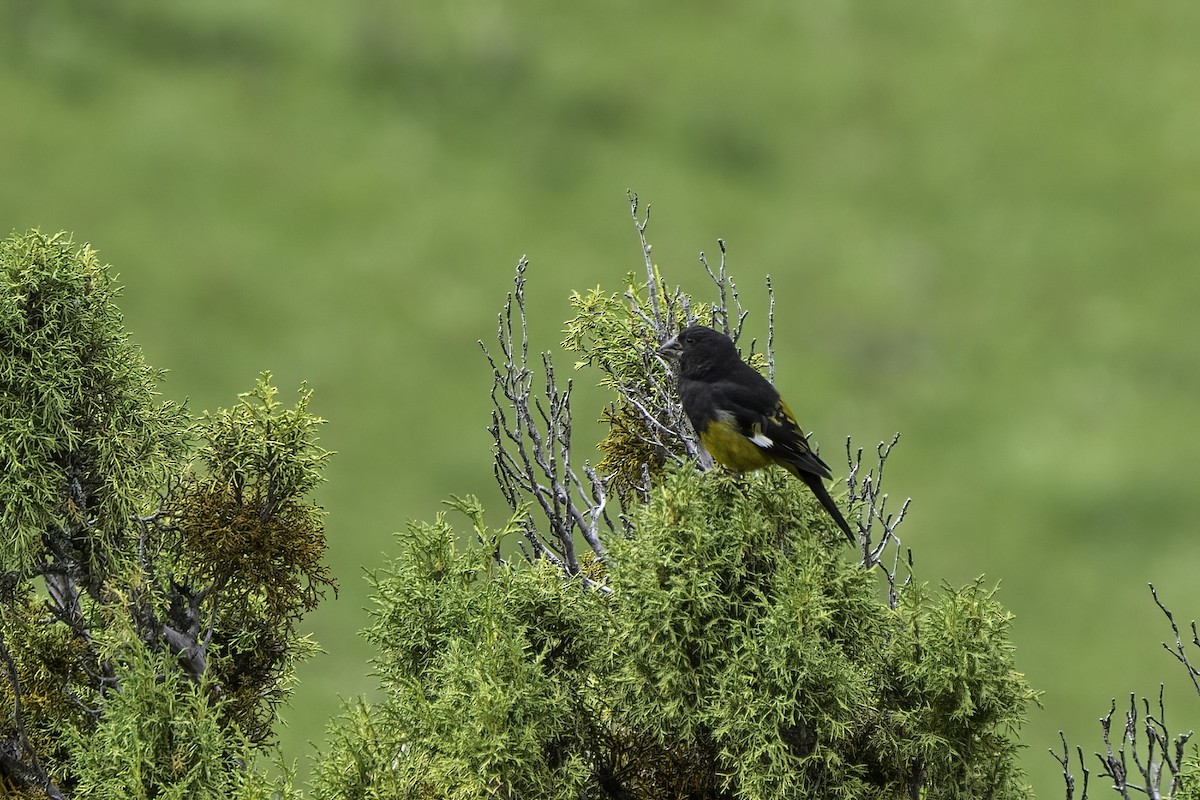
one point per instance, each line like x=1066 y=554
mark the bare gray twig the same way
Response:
x=1064 y=761
x=866 y=492
x=1178 y=650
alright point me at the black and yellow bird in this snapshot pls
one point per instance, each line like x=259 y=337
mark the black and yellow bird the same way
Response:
x=739 y=416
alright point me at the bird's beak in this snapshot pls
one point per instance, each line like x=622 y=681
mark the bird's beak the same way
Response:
x=671 y=348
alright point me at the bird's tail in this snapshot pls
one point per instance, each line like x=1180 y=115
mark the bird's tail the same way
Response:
x=817 y=485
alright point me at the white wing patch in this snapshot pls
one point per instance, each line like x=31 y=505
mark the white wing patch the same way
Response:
x=758 y=437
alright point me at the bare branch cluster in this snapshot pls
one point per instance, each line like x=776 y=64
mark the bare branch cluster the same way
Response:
x=866 y=492
x=532 y=438
x=1141 y=757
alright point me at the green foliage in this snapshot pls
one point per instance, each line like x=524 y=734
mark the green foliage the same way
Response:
x=52 y=665
x=162 y=737
x=85 y=442
x=248 y=532
x=954 y=677
x=725 y=647
x=739 y=654
x=612 y=333
x=148 y=610
x=481 y=667
x=1190 y=776
x=783 y=669
x=751 y=638
x=262 y=453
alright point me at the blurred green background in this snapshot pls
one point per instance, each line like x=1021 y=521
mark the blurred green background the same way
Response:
x=980 y=218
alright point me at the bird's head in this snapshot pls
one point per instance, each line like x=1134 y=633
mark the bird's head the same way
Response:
x=698 y=346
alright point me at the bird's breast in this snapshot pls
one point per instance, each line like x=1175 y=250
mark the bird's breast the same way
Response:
x=730 y=448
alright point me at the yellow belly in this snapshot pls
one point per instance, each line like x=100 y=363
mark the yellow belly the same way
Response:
x=733 y=450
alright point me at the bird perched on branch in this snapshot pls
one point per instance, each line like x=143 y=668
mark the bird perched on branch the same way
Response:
x=739 y=416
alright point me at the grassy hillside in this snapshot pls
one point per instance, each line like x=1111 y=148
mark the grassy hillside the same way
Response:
x=980 y=222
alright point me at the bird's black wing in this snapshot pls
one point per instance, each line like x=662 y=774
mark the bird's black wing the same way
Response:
x=764 y=418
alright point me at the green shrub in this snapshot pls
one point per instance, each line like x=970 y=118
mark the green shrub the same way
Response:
x=148 y=609
x=720 y=642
